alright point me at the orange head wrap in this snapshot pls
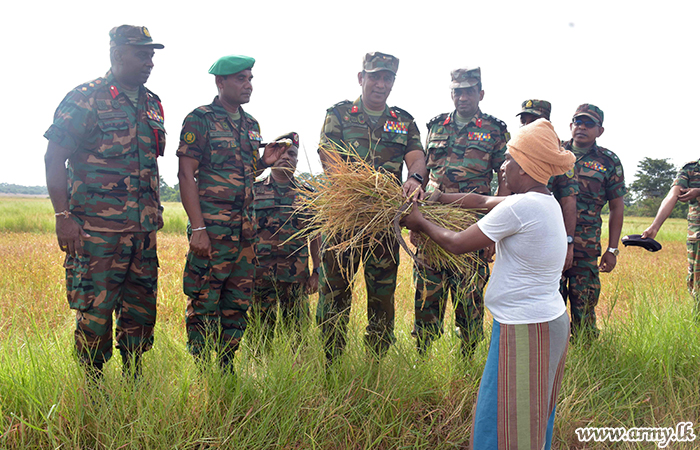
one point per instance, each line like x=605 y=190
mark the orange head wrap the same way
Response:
x=537 y=149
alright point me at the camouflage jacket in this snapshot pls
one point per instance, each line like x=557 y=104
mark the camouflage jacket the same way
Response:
x=600 y=179
x=564 y=185
x=461 y=161
x=689 y=177
x=113 y=180
x=228 y=160
x=385 y=144
x=277 y=222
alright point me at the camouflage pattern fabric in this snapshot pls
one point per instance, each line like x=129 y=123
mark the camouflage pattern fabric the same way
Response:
x=112 y=172
x=287 y=260
x=384 y=144
x=600 y=179
x=689 y=178
x=268 y=294
x=219 y=291
x=432 y=290
x=461 y=161
x=116 y=273
x=335 y=299
x=228 y=161
x=564 y=185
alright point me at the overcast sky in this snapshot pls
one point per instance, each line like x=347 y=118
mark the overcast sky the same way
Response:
x=638 y=61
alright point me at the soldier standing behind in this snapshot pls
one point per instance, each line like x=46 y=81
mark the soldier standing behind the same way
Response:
x=685 y=188
x=387 y=137
x=219 y=160
x=282 y=274
x=564 y=187
x=601 y=180
x=107 y=204
x=464 y=149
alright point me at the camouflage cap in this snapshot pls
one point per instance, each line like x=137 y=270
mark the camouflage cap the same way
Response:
x=376 y=61
x=131 y=35
x=591 y=111
x=465 y=77
x=539 y=108
x=292 y=136
x=227 y=65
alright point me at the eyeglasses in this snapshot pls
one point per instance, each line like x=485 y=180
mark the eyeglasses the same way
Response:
x=588 y=123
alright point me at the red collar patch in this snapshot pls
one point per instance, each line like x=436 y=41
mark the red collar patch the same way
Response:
x=448 y=120
x=354 y=109
x=393 y=114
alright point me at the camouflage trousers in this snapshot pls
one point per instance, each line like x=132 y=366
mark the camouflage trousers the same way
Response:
x=432 y=290
x=335 y=299
x=267 y=296
x=219 y=292
x=580 y=285
x=117 y=273
x=694 y=273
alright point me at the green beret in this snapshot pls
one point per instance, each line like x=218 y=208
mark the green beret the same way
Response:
x=227 y=65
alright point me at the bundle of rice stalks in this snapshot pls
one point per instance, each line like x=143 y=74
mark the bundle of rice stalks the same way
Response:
x=354 y=206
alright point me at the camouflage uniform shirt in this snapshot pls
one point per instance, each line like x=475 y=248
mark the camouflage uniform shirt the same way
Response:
x=600 y=179
x=461 y=161
x=112 y=171
x=385 y=144
x=228 y=159
x=564 y=185
x=275 y=205
x=688 y=178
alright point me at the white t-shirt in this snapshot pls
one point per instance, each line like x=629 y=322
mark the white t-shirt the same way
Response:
x=530 y=251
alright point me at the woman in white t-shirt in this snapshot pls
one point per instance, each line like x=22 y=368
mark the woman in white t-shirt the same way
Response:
x=530 y=334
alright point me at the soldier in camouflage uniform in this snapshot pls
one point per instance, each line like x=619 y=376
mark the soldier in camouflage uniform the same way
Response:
x=464 y=149
x=110 y=130
x=219 y=159
x=386 y=136
x=564 y=187
x=601 y=180
x=282 y=274
x=685 y=188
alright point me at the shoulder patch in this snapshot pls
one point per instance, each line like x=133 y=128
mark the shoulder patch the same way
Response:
x=89 y=87
x=203 y=110
x=401 y=111
x=610 y=155
x=339 y=104
x=154 y=96
x=439 y=118
x=501 y=124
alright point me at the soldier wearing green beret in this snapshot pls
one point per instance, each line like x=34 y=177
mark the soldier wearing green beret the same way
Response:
x=464 y=149
x=564 y=187
x=388 y=137
x=601 y=180
x=218 y=162
x=282 y=275
x=110 y=132
x=685 y=188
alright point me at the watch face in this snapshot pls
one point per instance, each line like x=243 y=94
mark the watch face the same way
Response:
x=569 y=239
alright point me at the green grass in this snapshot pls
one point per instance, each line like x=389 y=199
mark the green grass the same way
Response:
x=643 y=371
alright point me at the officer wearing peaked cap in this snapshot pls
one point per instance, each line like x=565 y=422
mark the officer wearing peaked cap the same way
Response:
x=218 y=162
x=387 y=137
x=464 y=149
x=110 y=132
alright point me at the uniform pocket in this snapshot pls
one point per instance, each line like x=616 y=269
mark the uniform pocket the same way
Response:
x=115 y=139
x=79 y=285
x=197 y=277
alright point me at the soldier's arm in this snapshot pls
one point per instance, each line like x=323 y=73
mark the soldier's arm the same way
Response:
x=415 y=163
x=331 y=135
x=189 y=195
x=568 y=210
x=471 y=201
x=664 y=212
x=68 y=232
x=617 y=208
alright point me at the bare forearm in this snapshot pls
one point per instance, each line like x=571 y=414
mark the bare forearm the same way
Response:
x=665 y=209
x=57 y=177
x=568 y=209
x=471 y=201
x=615 y=222
x=189 y=195
x=315 y=250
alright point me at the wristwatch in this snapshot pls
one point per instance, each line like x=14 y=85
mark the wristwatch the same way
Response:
x=614 y=251
x=417 y=176
x=569 y=239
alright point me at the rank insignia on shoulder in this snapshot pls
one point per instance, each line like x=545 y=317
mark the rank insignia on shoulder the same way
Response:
x=479 y=136
x=396 y=127
x=188 y=137
x=393 y=114
x=354 y=109
x=595 y=165
x=254 y=135
x=154 y=116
